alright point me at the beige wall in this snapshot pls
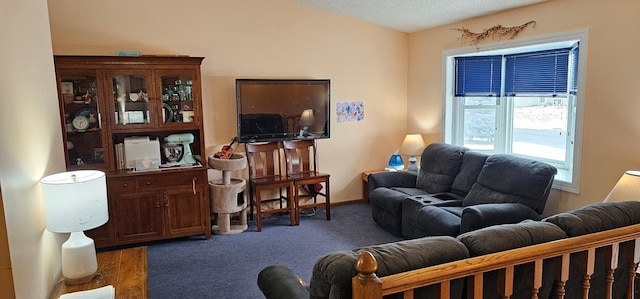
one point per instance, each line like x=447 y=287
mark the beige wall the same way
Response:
x=31 y=143
x=611 y=127
x=263 y=39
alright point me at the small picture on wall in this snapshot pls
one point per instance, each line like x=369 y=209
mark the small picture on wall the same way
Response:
x=350 y=111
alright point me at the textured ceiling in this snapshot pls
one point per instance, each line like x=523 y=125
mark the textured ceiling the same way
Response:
x=415 y=15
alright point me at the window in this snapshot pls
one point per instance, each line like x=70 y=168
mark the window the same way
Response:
x=521 y=97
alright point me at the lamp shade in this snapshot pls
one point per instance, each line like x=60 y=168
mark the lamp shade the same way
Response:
x=75 y=201
x=627 y=188
x=413 y=145
x=306 y=118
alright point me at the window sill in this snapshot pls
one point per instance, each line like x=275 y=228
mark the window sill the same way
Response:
x=563 y=182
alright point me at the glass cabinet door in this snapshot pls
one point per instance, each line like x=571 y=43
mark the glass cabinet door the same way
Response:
x=130 y=98
x=178 y=95
x=81 y=115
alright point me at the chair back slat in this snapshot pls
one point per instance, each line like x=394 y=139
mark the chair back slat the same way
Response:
x=264 y=159
x=301 y=156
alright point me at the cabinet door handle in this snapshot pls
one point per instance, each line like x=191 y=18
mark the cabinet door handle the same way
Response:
x=193 y=185
x=148 y=183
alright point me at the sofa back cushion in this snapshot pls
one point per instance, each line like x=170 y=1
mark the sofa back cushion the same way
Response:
x=439 y=165
x=332 y=273
x=510 y=236
x=509 y=178
x=472 y=163
x=597 y=217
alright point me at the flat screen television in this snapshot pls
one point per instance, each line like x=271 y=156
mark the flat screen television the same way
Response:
x=282 y=109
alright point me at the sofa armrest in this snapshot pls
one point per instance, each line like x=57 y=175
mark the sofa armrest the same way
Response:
x=485 y=215
x=392 y=179
x=278 y=282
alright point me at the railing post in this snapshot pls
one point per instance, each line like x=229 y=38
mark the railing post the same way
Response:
x=562 y=274
x=505 y=282
x=611 y=254
x=633 y=269
x=536 y=282
x=366 y=285
x=589 y=266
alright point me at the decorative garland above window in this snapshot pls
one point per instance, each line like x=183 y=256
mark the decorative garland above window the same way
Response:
x=495 y=32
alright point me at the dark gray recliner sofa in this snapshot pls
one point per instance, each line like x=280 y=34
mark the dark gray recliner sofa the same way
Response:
x=458 y=190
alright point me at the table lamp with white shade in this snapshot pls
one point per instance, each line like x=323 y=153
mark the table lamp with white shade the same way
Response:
x=76 y=201
x=627 y=188
x=306 y=120
x=412 y=146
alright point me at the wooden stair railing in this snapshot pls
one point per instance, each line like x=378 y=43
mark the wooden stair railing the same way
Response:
x=367 y=285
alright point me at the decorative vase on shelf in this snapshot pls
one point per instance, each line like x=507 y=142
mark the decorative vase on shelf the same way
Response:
x=92 y=118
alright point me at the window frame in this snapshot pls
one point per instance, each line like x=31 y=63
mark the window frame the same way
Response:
x=565 y=180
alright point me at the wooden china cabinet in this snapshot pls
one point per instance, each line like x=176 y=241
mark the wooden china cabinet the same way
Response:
x=105 y=100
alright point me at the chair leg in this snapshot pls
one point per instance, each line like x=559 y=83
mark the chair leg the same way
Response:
x=251 y=203
x=293 y=205
x=328 y=201
x=258 y=211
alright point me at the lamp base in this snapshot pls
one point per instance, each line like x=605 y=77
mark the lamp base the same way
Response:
x=79 y=262
x=82 y=280
x=304 y=132
x=413 y=166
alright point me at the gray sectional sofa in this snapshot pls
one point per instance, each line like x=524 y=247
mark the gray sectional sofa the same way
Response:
x=457 y=190
x=331 y=277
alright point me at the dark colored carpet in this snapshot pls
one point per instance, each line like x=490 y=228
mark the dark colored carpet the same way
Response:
x=227 y=266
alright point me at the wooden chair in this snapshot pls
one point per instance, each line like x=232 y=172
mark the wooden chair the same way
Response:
x=302 y=167
x=265 y=174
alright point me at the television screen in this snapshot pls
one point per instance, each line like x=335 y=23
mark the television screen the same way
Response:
x=282 y=109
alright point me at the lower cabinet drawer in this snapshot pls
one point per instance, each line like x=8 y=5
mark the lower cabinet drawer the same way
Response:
x=121 y=185
x=170 y=180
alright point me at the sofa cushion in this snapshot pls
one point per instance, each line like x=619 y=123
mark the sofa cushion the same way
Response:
x=510 y=236
x=386 y=208
x=388 y=200
x=439 y=165
x=508 y=178
x=485 y=215
x=472 y=163
x=438 y=221
x=597 y=217
x=332 y=273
